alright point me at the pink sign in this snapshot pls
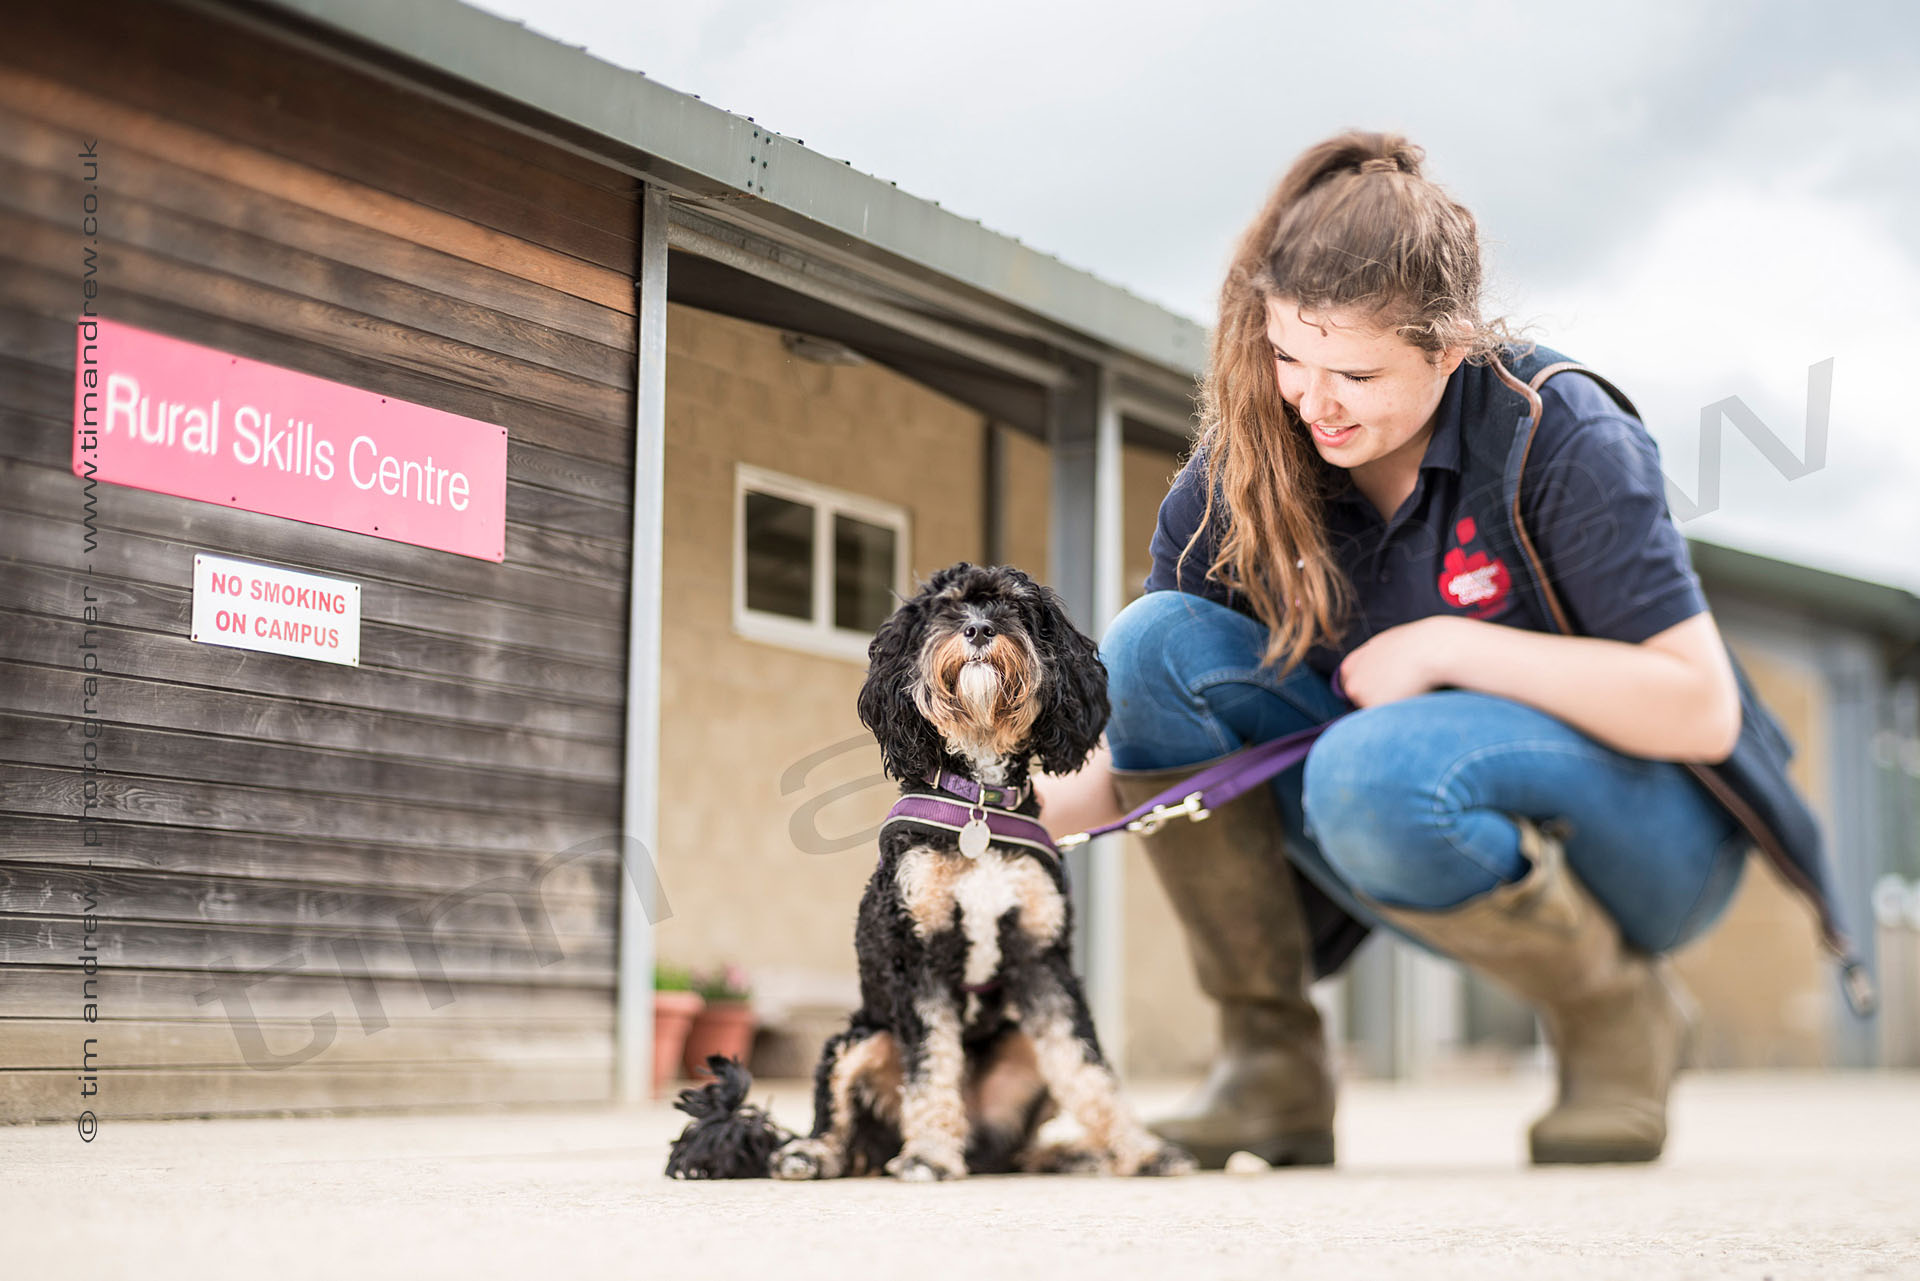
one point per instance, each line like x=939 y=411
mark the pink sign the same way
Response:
x=156 y=413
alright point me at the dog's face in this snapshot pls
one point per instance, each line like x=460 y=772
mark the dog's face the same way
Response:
x=983 y=662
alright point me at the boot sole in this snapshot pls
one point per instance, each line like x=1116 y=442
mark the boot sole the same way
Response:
x=1564 y=1152
x=1555 y=1152
x=1312 y=1148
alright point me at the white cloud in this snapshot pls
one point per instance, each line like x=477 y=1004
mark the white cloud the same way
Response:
x=1737 y=290
x=1134 y=145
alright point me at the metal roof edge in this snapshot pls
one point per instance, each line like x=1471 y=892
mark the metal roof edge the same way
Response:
x=1891 y=611
x=503 y=57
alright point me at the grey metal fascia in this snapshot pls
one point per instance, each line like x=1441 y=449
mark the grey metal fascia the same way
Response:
x=1880 y=608
x=572 y=85
x=952 y=338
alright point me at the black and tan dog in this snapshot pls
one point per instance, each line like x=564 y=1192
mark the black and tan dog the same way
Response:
x=972 y=1029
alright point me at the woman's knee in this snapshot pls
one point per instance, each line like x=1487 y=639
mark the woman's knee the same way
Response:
x=1187 y=682
x=1376 y=807
x=1359 y=774
x=1145 y=640
x=1662 y=923
x=1149 y=650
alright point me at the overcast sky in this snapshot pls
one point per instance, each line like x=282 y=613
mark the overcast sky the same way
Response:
x=1700 y=201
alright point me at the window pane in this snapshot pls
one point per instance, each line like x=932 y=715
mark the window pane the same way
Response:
x=779 y=545
x=862 y=574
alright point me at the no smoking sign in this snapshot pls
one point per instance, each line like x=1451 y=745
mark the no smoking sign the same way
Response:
x=280 y=611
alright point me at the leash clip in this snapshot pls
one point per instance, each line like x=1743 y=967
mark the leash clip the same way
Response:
x=1147 y=824
x=1157 y=817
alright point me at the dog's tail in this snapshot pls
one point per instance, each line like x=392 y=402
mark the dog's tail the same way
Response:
x=728 y=1138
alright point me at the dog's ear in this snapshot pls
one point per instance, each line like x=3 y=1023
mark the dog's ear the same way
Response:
x=909 y=746
x=1073 y=690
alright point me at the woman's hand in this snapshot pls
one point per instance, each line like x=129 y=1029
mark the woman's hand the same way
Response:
x=1081 y=800
x=1405 y=660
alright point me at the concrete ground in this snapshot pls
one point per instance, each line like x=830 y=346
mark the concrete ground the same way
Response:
x=1766 y=1177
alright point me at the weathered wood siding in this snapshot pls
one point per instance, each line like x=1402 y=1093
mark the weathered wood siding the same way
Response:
x=263 y=812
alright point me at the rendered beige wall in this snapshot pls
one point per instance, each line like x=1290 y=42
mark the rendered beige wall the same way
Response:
x=737 y=714
x=1026 y=486
x=1170 y=1023
x=1759 y=975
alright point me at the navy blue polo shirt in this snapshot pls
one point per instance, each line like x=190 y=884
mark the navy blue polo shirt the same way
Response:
x=1592 y=497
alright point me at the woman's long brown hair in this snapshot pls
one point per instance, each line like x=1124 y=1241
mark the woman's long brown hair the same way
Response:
x=1377 y=240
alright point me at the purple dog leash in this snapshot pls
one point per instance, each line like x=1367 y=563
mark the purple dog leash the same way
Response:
x=1214 y=786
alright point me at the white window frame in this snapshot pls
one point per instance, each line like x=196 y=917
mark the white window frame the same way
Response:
x=818 y=635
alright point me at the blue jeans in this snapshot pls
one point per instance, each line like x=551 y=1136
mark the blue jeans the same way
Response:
x=1411 y=803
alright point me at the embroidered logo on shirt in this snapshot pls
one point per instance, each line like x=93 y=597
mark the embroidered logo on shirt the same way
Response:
x=1476 y=582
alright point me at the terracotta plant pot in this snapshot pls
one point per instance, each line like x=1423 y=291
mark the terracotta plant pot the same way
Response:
x=724 y=1028
x=673 y=1015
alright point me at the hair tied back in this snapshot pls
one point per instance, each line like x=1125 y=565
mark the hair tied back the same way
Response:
x=1379 y=164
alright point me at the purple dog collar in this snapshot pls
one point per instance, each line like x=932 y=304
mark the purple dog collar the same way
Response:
x=1003 y=827
x=979 y=793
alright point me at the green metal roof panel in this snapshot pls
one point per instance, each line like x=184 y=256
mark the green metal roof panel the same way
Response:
x=1876 y=607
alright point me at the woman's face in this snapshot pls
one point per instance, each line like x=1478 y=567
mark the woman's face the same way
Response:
x=1376 y=389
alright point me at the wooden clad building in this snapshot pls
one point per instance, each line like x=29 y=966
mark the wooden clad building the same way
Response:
x=261 y=813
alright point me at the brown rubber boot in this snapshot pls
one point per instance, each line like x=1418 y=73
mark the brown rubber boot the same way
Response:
x=1270 y=1091
x=1616 y=1018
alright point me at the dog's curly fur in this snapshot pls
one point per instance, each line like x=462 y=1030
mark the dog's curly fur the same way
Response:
x=972 y=1030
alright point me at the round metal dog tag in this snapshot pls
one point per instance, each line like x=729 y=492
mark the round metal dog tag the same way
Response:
x=973 y=838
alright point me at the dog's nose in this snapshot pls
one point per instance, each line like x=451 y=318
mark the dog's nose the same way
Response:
x=978 y=632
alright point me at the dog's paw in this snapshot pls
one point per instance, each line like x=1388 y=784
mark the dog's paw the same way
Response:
x=1168 y=1159
x=917 y=1167
x=1065 y=1158
x=804 y=1159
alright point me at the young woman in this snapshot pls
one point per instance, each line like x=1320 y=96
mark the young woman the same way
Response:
x=1391 y=488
